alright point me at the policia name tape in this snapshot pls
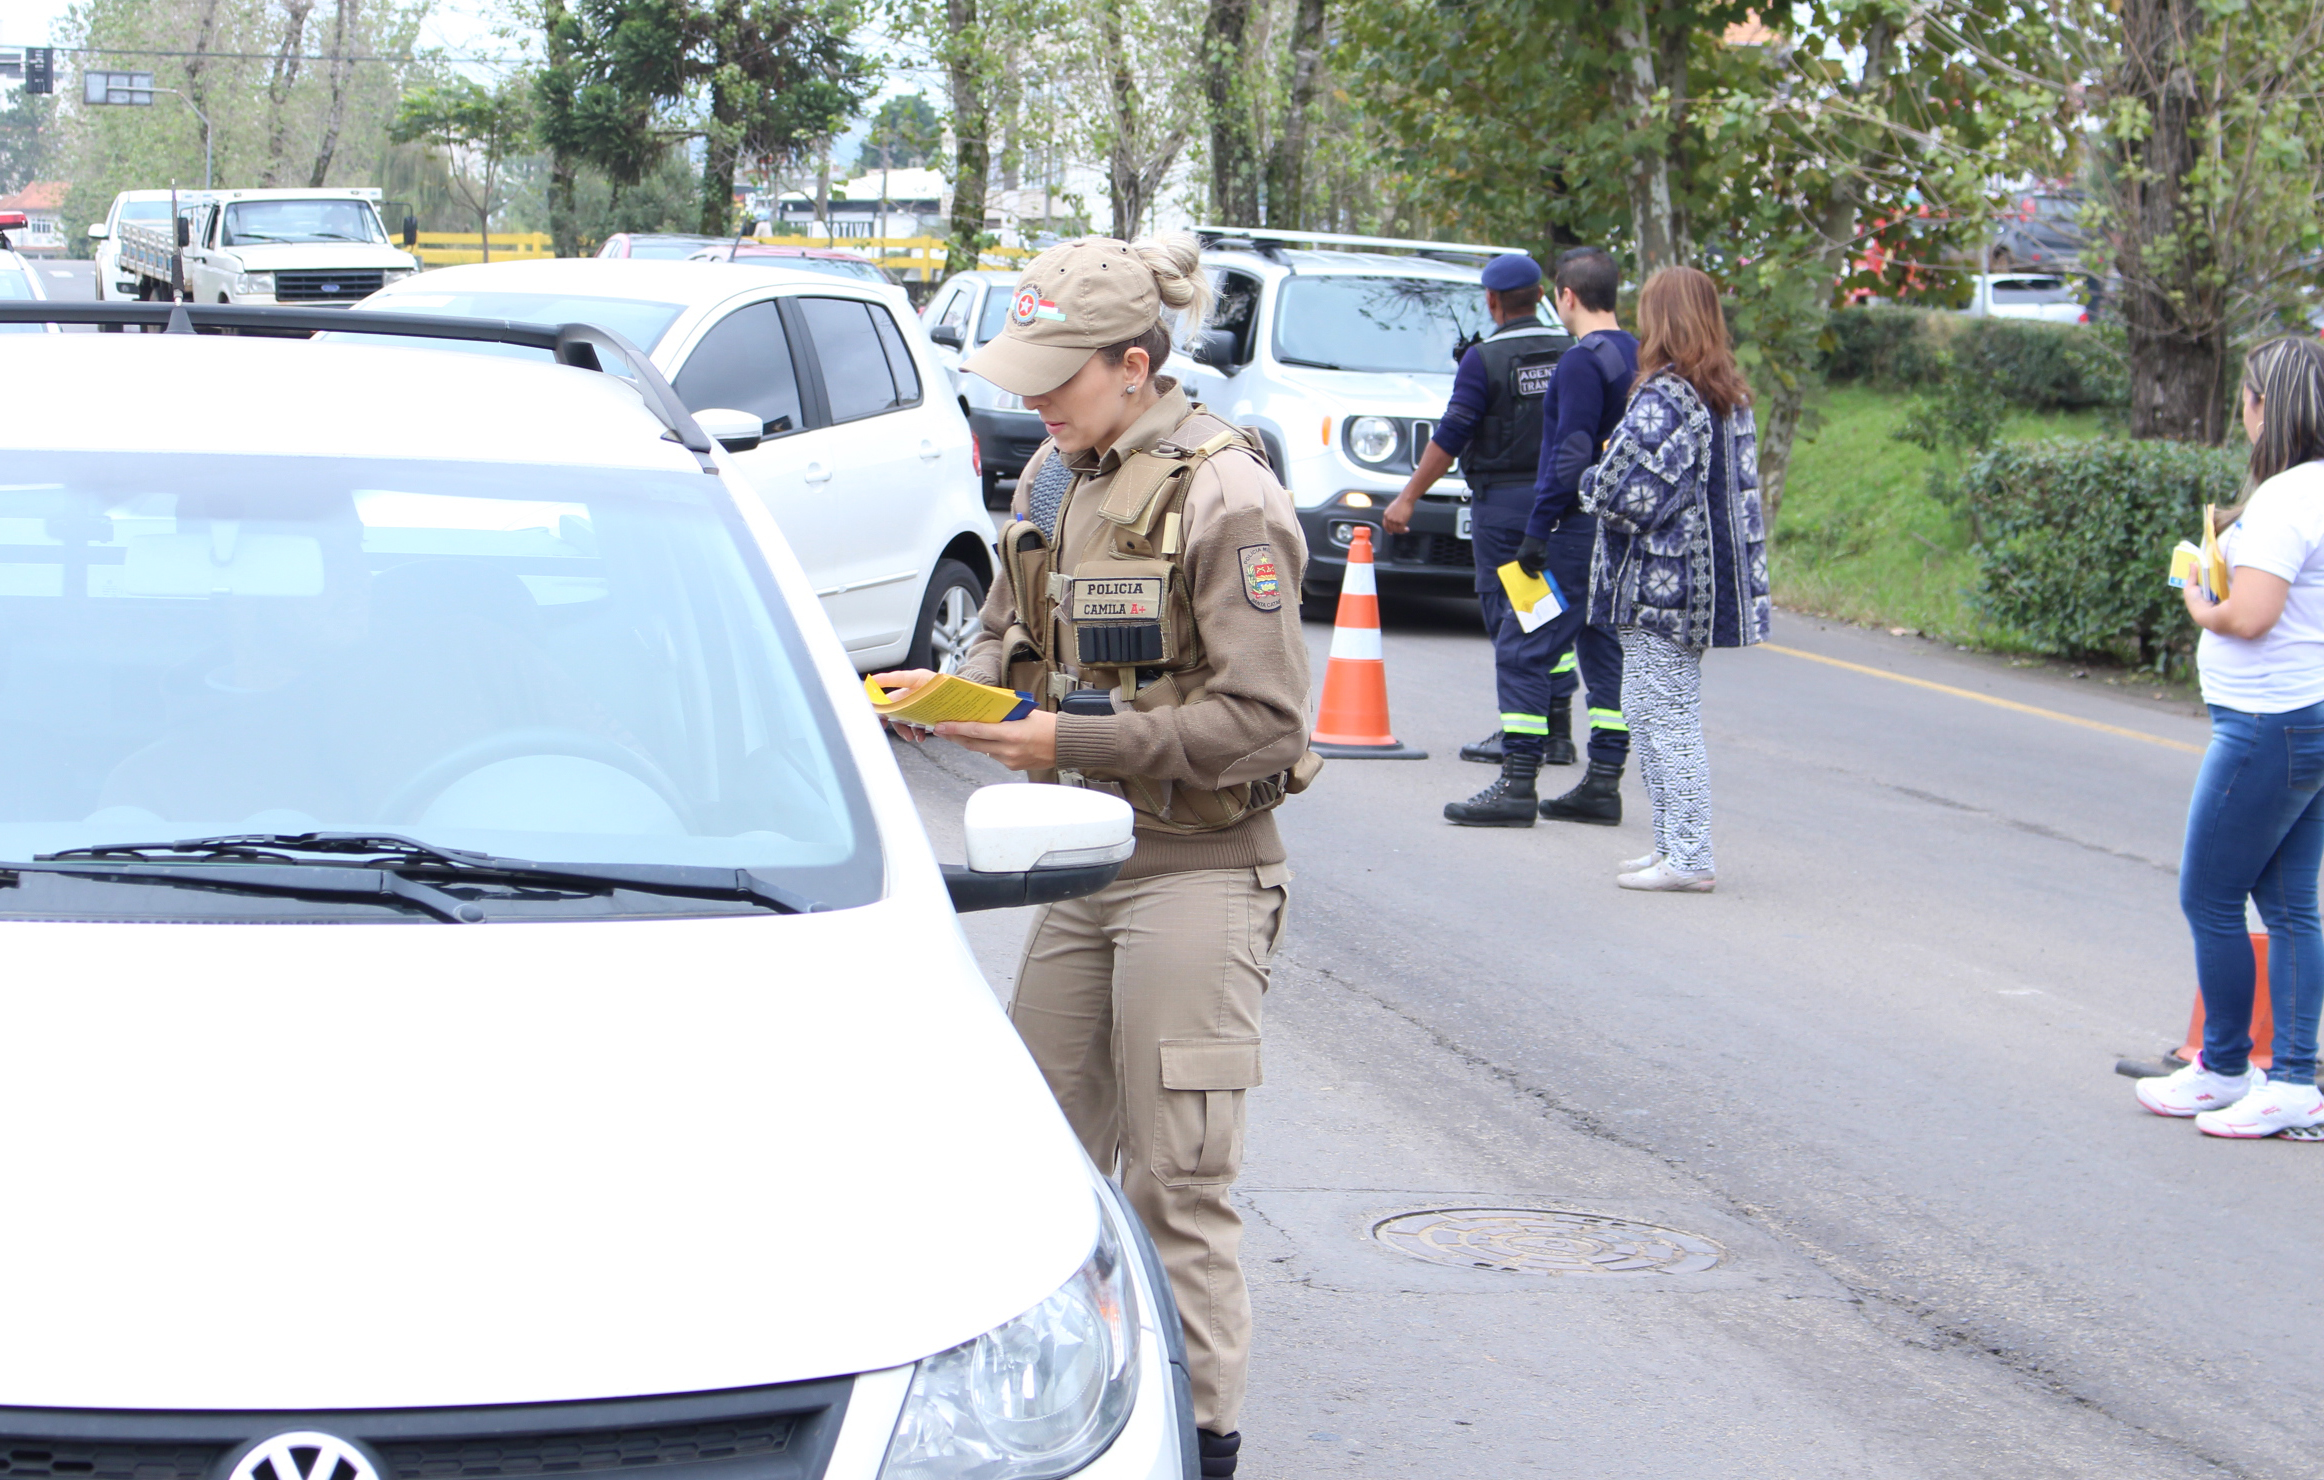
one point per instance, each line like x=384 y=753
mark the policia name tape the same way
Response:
x=1117 y=619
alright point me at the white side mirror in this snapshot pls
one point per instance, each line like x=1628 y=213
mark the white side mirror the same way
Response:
x=98 y=231
x=1034 y=844
x=736 y=431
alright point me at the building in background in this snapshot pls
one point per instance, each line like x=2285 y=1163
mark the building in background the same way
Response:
x=43 y=204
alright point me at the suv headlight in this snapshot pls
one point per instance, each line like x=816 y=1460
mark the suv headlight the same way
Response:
x=1034 y=1398
x=1372 y=439
x=254 y=282
x=397 y=274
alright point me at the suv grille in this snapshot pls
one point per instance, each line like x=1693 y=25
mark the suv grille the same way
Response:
x=767 y=1433
x=1428 y=549
x=561 y=1454
x=325 y=287
x=100 y=1459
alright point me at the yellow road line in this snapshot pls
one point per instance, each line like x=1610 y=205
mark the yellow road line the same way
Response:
x=1943 y=688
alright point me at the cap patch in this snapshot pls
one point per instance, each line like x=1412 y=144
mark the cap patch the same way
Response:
x=1261 y=585
x=1030 y=305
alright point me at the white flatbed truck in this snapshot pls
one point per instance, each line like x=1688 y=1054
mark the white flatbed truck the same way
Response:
x=314 y=248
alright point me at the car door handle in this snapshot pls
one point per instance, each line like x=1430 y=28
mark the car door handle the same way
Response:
x=929 y=451
x=817 y=473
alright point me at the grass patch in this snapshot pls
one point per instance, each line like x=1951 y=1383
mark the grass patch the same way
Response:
x=1859 y=537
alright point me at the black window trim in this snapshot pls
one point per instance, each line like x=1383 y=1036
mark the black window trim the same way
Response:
x=805 y=357
x=807 y=407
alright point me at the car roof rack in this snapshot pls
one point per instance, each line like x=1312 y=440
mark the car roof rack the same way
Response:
x=583 y=346
x=1261 y=238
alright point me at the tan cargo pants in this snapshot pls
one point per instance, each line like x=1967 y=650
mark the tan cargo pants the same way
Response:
x=1141 y=1005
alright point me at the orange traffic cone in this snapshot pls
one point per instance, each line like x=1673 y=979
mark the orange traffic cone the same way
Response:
x=1352 y=721
x=2263 y=1015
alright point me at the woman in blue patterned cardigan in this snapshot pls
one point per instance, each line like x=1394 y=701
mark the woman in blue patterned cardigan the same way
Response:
x=1681 y=559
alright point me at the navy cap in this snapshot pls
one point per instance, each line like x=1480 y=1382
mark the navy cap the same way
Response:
x=1513 y=271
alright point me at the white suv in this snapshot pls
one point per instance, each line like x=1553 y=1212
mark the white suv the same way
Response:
x=1343 y=360
x=547 y=1045
x=865 y=462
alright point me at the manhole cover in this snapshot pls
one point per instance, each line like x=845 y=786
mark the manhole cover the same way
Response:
x=1530 y=1241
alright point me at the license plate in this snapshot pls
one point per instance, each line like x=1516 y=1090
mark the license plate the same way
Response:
x=1462 y=522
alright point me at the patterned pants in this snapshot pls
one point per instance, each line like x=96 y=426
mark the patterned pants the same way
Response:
x=1662 y=697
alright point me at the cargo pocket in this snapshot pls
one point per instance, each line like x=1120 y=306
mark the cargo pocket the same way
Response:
x=1198 y=1117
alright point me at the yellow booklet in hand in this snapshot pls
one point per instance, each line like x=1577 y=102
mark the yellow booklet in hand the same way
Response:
x=1535 y=597
x=2214 y=558
x=949 y=697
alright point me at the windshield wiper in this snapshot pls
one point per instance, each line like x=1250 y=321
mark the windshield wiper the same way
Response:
x=397 y=856
x=1311 y=364
x=298 y=881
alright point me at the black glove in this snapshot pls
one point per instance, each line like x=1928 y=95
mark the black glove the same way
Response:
x=1530 y=555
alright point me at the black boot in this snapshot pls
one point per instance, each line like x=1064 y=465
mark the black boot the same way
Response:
x=1508 y=802
x=1598 y=799
x=1559 y=748
x=1218 y=1453
x=1487 y=750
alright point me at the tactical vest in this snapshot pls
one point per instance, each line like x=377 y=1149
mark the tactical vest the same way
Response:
x=1506 y=445
x=1125 y=613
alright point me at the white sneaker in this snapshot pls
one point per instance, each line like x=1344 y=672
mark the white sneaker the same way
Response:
x=1661 y=876
x=2269 y=1108
x=2195 y=1089
x=1637 y=865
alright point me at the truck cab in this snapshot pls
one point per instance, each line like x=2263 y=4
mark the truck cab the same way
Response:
x=313 y=248
x=1339 y=351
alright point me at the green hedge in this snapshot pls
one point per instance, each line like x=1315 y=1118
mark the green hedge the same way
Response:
x=2047 y=367
x=2078 y=536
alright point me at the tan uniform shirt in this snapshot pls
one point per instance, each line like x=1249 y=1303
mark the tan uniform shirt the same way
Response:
x=1245 y=710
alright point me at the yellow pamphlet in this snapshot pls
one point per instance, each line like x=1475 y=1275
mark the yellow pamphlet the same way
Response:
x=949 y=697
x=1535 y=597
x=2214 y=559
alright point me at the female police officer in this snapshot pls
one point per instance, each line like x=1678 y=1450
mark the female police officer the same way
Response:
x=1144 y=601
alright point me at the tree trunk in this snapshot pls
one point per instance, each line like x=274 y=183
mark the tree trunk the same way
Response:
x=1234 y=154
x=283 y=77
x=342 y=20
x=1655 y=228
x=721 y=142
x=1125 y=188
x=823 y=190
x=1287 y=166
x=556 y=83
x=1012 y=111
x=2174 y=315
x=971 y=137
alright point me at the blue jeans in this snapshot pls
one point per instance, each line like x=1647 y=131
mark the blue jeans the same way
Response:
x=2256 y=829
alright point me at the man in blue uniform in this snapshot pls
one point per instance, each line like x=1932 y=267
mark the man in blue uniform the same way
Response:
x=1587 y=393
x=1493 y=425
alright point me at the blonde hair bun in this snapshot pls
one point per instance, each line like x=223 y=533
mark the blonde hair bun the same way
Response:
x=1175 y=259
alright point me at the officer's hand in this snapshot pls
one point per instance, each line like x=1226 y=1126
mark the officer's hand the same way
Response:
x=1398 y=515
x=906 y=679
x=1531 y=553
x=1028 y=744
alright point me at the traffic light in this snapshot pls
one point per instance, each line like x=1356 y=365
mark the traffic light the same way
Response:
x=40 y=69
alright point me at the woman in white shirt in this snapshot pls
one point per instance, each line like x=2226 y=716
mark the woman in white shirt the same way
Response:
x=2255 y=828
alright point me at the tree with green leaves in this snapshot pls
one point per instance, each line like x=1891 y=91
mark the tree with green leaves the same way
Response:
x=905 y=134
x=476 y=128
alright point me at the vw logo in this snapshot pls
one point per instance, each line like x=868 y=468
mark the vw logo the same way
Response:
x=304 y=1456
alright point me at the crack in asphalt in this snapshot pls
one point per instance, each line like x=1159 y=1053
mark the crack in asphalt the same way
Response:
x=1861 y=1285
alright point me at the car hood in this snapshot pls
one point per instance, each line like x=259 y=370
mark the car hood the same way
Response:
x=411 y=1165
x=320 y=256
x=1390 y=393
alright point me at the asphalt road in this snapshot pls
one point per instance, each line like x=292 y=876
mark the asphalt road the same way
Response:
x=1873 y=1069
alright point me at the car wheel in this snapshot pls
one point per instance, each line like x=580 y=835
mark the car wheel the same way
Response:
x=948 y=618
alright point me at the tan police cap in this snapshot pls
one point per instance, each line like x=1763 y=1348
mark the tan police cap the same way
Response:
x=1072 y=302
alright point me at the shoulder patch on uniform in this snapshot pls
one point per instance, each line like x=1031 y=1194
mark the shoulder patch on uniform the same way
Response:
x=1262 y=586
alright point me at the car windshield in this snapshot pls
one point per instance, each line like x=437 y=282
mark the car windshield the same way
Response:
x=252 y=223
x=2032 y=290
x=996 y=313
x=665 y=251
x=1400 y=324
x=567 y=665
x=637 y=320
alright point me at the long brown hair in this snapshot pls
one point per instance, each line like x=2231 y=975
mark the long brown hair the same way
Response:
x=1681 y=329
x=2287 y=375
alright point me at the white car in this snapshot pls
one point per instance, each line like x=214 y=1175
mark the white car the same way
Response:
x=20 y=283
x=2024 y=295
x=151 y=207
x=865 y=463
x=1339 y=351
x=967 y=312
x=548 y=1045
